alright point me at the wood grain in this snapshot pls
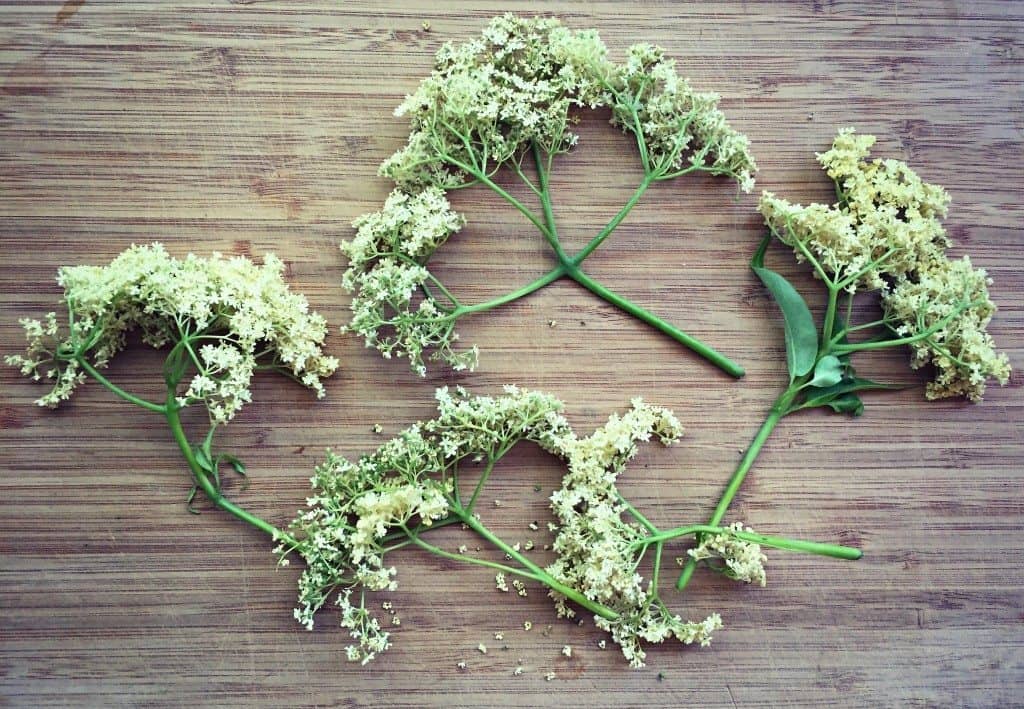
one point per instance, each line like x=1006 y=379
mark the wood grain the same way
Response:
x=253 y=126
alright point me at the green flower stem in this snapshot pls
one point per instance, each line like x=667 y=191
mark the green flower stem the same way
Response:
x=646 y=523
x=203 y=480
x=870 y=345
x=486 y=180
x=827 y=330
x=545 y=201
x=569 y=266
x=415 y=539
x=95 y=374
x=615 y=221
x=708 y=353
x=778 y=410
x=835 y=551
x=542 y=575
x=535 y=285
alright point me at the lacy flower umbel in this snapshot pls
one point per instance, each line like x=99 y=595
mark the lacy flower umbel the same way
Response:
x=883 y=234
x=505 y=101
x=361 y=511
x=226 y=317
x=223 y=319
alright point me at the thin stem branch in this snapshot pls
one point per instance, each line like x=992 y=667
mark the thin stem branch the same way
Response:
x=615 y=221
x=415 y=539
x=542 y=576
x=835 y=551
x=548 y=278
x=95 y=374
x=483 y=178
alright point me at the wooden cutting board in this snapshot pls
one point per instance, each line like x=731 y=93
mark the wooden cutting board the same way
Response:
x=247 y=127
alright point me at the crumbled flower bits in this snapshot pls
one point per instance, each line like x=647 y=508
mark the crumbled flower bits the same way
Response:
x=495 y=102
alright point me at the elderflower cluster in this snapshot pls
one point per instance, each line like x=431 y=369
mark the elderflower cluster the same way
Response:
x=886 y=222
x=678 y=125
x=359 y=510
x=962 y=353
x=394 y=308
x=233 y=313
x=884 y=233
x=743 y=560
x=490 y=97
x=486 y=102
x=594 y=541
x=405 y=484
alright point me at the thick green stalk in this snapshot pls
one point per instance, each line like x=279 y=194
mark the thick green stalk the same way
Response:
x=204 y=482
x=708 y=353
x=778 y=410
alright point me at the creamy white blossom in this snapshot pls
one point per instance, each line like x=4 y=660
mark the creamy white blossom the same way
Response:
x=228 y=314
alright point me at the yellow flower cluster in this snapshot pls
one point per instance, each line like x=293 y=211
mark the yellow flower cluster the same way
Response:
x=233 y=314
x=594 y=541
x=884 y=233
x=386 y=273
x=884 y=224
x=678 y=125
x=743 y=560
x=951 y=296
x=488 y=98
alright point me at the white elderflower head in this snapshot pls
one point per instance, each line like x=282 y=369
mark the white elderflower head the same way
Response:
x=489 y=98
x=235 y=315
x=394 y=308
x=679 y=125
x=743 y=560
x=404 y=484
x=594 y=541
x=884 y=233
x=962 y=352
x=885 y=225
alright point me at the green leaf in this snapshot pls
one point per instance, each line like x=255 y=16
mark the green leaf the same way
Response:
x=190 y=498
x=847 y=404
x=801 y=335
x=233 y=461
x=826 y=396
x=828 y=372
x=203 y=458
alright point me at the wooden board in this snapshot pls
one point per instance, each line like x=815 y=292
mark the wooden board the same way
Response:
x=245 y=127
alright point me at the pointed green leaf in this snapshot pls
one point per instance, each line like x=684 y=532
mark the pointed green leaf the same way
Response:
x=190 y=498
x=828 y=372
x=847 y=404
x=801 y=335
x=234 y=462
x=203 y=458
x=824 y=396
